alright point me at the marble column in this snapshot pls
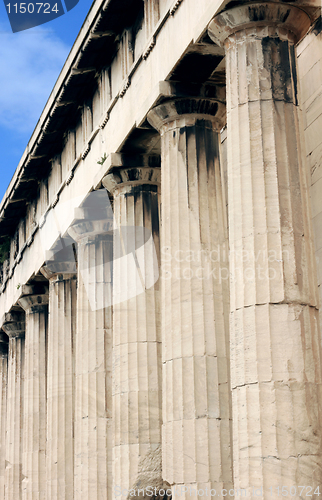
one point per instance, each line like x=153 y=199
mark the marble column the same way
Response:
x=14 y=326
x=93 y=357
x=60 y=379
x=275 y=339
x=35 y=305
x=137 y=353
x=3 y=407
x=196 y=439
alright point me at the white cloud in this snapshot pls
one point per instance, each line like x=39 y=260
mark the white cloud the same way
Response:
x=30 y=62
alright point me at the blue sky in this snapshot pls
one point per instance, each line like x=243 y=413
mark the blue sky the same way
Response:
x=30 y=62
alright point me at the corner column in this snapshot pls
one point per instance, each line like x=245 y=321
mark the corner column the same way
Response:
x=93 y=357
x=196 y=438
x=35 y=304
x=60 y=380
x=137 y=358
x=3 y=407
x=275 y=339
x=14 y=326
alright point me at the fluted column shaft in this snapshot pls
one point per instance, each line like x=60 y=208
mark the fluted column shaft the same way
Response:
x=137 y=354
x=275 y=341
x=60 y=384
x=14 y=326
x=93 y=361
x=196 y=407
x=34 y=412
x=3 y=408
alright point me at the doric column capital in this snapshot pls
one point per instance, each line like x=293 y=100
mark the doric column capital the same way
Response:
x=14 y=324
x=59 y=271
x=86 y=230
x=56 y=269
x=61 y=261
x=261 y=19
x=94 y=220
x=126 y=180
x=36 y=299
x=187 y=111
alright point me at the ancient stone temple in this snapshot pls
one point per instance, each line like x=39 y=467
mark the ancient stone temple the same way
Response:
x=161 y=261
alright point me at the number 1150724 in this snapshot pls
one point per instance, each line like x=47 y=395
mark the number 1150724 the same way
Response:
x=302 y=491
x=31 y=8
